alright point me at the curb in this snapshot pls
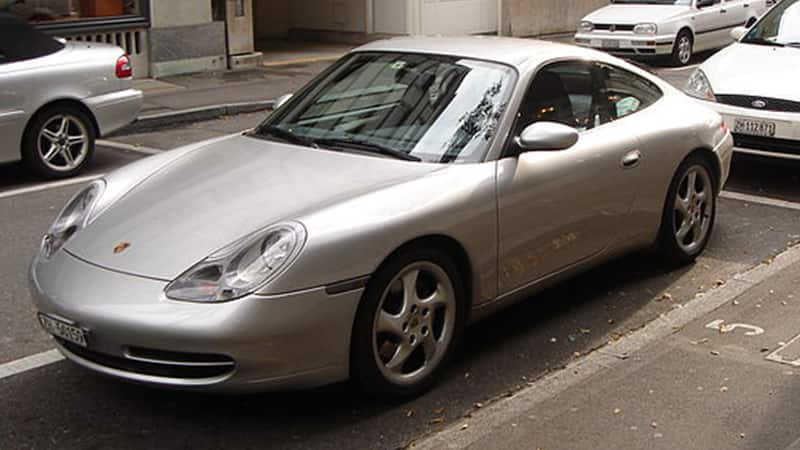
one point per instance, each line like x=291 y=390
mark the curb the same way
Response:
x=149 y=122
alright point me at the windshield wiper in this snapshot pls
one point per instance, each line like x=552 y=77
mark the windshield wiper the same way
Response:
x=761 y=41
x=367 y=146
x=286 y=135
x=792 y=44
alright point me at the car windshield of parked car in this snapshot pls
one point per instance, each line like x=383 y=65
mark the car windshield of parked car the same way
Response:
x=20 y=41
x=779 y=27
x=418 y=107
x=654 y=2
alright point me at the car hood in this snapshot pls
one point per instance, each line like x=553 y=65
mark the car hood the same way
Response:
x=756 y=70
x=634 y=14
x=211 y=197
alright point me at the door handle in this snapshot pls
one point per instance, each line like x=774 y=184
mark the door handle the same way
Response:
x=747 y=5
x=724 y=11
x=631 y=159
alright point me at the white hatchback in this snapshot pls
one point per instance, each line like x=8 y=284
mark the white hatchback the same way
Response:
x=753 y=84
x=675 y=28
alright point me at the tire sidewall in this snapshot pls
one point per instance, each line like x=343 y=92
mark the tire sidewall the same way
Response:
x=364 y=370
x=30 y=151
x=668 y=243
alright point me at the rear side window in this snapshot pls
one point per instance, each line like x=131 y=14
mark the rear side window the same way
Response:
x=626 y=92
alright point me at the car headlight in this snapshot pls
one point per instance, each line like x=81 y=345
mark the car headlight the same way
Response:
x=586 y=27
x=699 y=86
x=645 y=28
x=72 y=218
x=242 y=267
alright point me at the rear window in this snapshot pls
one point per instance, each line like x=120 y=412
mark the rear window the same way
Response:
x=20 y=41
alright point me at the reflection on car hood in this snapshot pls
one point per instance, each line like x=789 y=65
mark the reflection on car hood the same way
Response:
x=634 y=14
x=757 y=70
x=229 y=189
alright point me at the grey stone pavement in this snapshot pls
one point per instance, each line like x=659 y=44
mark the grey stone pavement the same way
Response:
x=729 y=379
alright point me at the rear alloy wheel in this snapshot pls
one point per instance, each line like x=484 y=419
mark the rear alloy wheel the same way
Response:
x=689 y=212
x=683 y=50
x=59 y=142
x=407 y=324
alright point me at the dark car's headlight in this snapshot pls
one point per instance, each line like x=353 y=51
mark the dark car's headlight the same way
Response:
x=72 y=218
x=242 y=267
x=698 y=86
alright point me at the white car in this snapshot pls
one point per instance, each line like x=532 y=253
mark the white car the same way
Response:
x=674 y=28
x=753 y=84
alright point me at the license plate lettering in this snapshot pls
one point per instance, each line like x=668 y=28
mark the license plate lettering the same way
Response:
x=64 y=330
x=610 y=44
x=755 y=127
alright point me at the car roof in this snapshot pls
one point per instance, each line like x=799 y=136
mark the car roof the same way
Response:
x=515 y=52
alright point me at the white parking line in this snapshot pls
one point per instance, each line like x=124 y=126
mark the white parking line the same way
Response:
x=760 y=200
x=18 y=366
x=129 y=147
x=50 y=185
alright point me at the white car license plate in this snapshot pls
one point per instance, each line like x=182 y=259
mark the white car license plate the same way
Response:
x=754 y=127
x=610 y=44
x=62 y=329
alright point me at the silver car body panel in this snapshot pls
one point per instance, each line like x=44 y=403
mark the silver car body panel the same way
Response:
x=523 y=222
x=84 y=73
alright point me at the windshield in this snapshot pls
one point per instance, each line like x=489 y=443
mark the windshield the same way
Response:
x=780 y=26
x=655 y=2
x=418 y=107
x=20 y=41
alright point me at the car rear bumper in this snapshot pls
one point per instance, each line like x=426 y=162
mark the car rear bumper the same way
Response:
x=626 y=44
x=784 y=143
x=295 y=340
x=115 y=110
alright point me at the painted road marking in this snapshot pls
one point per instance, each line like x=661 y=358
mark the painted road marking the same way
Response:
x=788 y=353
x=18 y=366
x=50 y=185
x=719 y=324
x=760 y=200
x=129 y=148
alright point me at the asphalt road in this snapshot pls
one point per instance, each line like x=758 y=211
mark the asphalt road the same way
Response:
x=62 y=406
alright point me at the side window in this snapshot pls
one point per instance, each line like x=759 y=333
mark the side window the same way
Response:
x=563 y=93
x=625 y=93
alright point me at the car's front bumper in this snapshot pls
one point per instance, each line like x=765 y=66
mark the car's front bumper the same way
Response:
x=295 y=340
x=626 y=43
x=115 y=110
x=785 y=143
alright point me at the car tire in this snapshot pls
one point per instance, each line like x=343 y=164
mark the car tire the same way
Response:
x=408 y=324
x=689 y=212
x=58 y=142
x=683 y=49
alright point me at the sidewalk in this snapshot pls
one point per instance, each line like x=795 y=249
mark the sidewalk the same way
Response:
x=721 y=373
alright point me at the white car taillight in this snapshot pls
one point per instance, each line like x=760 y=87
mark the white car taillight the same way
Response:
x=124 y=67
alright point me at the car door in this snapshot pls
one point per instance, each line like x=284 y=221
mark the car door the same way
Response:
x=556 y=208
x=738 y=11
x=710 y=24
x=12 y=113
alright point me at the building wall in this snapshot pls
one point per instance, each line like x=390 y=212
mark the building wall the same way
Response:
x=272 y=18
x=331 y=15
x=184 y=38
x=534 y=17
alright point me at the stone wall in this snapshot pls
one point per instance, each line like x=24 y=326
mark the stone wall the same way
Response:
x=536 y=17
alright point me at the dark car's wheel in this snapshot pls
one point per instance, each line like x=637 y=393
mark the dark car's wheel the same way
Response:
x=58 y=142
x=407 y=324
x=683 y=49
x=689 y=212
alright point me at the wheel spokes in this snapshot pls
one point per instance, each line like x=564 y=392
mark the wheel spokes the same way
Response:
x=401 y=355
x=388 y=323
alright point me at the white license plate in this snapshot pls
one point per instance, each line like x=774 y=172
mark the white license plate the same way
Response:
x=62 y=329
x=610 y=44
x=763 y=128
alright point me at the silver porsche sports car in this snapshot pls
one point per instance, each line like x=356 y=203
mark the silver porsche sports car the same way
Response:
x=415 y=186
x=57 y=97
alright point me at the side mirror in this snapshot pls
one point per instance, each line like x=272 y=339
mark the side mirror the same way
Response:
x=738 y=33
x=282 y=100
x=547 y=136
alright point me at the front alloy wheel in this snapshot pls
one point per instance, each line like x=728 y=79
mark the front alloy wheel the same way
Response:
x=409 y=321
x=59 y=142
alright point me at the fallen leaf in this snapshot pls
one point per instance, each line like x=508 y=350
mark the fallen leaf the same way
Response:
x=478 y=405
x=410 y=413
x=465 y=426
x=438 y=411
x=723 y=389
x=436 y=420
x=617 y=410
x=654 y=424
x=714 y=352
